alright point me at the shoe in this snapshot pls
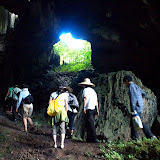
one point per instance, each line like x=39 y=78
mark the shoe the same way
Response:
x=70 y=136
x=55 y=146
x=32 y=128
x=91 y=141
x=67 y=131
x=95 y=141
x=62 y=146
x=153 y=137
x=25 y=131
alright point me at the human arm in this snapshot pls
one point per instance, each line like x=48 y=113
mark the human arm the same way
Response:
x=6 y=95
x=143 y=93
x=97 y=109
x=50 y=100
x=19 y=101
x=84 y=104
x=66 y=104
x=133 y=97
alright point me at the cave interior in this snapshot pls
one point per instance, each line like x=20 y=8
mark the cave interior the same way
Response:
x=124 y=35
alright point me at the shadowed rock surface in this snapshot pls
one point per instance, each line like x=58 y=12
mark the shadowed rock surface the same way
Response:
x=114 y=119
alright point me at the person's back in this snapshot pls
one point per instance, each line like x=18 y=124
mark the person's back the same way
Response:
x=9 y=92
x=90 y=105
x=73 y=104
x=91 y=96
x=62 y=97
x=15 y=93
x=23 y=94
x=8 y=100
x=136 y=97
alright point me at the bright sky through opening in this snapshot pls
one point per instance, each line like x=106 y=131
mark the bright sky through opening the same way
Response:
x=71 y=42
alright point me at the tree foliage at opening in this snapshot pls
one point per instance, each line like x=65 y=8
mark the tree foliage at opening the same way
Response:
x=73 y=59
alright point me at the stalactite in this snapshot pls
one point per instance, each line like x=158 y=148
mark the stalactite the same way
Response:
x=3 y=20
x=7 y=20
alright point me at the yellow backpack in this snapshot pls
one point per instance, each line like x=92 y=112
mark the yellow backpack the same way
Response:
x=54 y=107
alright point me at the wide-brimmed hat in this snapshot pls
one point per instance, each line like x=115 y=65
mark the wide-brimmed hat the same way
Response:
x=86 y=81
x=70 y=90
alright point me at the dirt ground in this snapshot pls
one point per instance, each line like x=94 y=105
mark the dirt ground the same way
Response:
x=37 y=144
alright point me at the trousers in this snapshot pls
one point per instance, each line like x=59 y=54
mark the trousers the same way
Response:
x=91 y=130
x=71 y=117
x=15 y=116
x=146 y=130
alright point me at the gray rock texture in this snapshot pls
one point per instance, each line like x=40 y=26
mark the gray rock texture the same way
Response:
x=113 y=122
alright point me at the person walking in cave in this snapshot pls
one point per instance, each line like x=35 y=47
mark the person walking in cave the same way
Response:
x=90 y=109
x=136 y=95
x=9 y=100
x=15 y=94
x=60 y=119
x=27 y=106
x=72 y=111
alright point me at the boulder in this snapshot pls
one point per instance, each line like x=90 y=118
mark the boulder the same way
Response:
x=113 y=122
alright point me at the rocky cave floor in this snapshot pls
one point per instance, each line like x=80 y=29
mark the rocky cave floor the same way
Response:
x=37 y=144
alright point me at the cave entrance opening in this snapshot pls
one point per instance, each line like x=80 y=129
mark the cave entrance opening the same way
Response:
x=74 y=54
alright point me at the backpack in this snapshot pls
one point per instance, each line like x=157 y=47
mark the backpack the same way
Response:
x=54 y=107
x=28 y=100
x=15 y=95
x=73 y=102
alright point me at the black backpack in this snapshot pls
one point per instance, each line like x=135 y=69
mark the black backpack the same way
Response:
x=28 y=100
x=73 y=102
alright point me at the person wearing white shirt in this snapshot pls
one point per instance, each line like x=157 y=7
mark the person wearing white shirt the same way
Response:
x=90 y=109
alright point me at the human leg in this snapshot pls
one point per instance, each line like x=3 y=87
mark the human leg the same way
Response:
x=11 y=104
x=25 y=116
x=30 y=121
x=91 y=130
x=146 y=129
x=68 y=125
x=14 y=110
x=62 y=130
x=62 y=140
x=134 y=133
x=55 y=135
x=30 y=110
x=25 y=123
x=71 y=117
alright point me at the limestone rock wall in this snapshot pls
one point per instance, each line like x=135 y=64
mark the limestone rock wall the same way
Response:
x=114 y=119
